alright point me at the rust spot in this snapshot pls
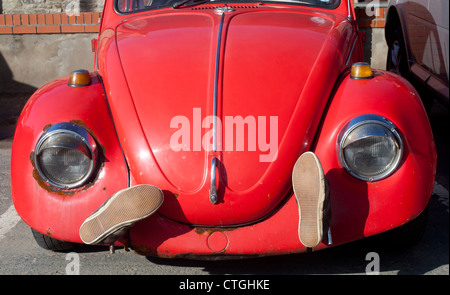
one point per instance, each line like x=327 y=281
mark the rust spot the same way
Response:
x=140 y=250
x=49 y=232
x=203 y=230
x=82 y=124
x=44 y=184
x=46 y=127
x=144 y=251
x=209 y=230
x=32 y=159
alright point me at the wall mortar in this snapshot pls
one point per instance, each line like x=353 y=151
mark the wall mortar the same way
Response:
x=49 y=6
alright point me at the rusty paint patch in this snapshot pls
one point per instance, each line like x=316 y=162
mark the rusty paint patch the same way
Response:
x=203 y=230
x=144 y=251
x=89 y=130
x=46 y=127
x=51 y=189
x=209 y=230
x=61 y=191
x=49 y=232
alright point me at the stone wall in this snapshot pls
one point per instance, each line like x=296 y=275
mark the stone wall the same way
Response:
x=41 y=40
x=29 y=61
x=49 y=6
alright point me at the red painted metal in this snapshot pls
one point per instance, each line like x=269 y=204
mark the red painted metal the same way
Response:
x=183 y=57
x=283 y=61
x=60 y=213
x=359 y=209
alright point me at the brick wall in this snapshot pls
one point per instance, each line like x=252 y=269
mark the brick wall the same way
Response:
x=50 y=23
x=49 y=6
x=50 y=16
x=370 y=14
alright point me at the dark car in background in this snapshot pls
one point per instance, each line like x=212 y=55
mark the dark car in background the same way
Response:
x=417 y=36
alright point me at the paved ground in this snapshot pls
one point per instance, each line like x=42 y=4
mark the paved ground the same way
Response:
x=19 y=254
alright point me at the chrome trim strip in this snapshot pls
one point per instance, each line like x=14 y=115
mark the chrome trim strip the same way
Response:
x=216 y=83
x=351 y=51
x=213 y=189
x=349 y=16
x=330 y=238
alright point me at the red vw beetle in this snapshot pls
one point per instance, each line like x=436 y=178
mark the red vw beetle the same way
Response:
x=223 y=129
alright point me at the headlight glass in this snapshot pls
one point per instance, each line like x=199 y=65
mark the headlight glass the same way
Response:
x=370 y=147
x=65 y=156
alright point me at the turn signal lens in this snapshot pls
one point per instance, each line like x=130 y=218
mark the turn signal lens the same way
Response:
x=79 y=78
x=361 y=70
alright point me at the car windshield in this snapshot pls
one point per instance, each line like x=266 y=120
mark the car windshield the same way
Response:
x=126 y=6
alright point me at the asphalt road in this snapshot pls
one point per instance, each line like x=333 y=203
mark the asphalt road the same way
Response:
x=20 y=255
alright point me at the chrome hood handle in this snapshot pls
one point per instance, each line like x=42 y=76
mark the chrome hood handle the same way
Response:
x=213 y=189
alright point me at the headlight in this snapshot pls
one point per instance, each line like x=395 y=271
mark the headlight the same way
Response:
x=65 y=155
x=370 y=147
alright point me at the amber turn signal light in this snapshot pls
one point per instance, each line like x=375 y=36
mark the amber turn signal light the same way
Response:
x=361 y=70
x=79 y=78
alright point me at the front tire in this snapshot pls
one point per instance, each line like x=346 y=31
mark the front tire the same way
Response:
x=50 y=243
x=409 y=234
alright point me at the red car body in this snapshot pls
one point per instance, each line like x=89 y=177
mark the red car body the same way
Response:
x=284 y=64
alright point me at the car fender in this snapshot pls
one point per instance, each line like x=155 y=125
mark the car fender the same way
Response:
x=361 y=208
x=57 y=212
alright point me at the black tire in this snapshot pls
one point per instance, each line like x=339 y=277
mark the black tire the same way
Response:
x=409 y=234
x=50 y=243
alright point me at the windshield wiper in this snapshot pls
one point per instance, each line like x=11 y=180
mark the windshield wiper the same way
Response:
x=194 y=2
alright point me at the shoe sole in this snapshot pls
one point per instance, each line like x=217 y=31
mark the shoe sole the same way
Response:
x=308 y=182
x=123 y=209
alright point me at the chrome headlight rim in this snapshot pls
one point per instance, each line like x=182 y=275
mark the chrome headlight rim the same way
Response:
x=358 y=122
x=85 y=139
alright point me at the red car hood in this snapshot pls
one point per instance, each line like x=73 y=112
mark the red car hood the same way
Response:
x=265 y=64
